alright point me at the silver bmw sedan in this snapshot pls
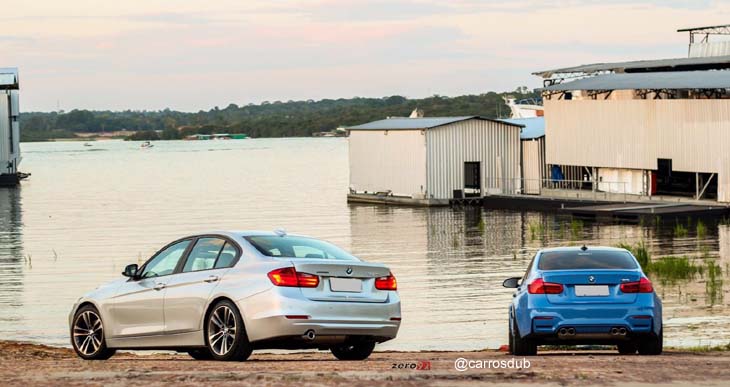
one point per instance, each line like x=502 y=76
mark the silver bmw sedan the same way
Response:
x=224 y=294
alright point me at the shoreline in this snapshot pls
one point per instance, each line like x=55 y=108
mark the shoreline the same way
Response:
x=25 y=363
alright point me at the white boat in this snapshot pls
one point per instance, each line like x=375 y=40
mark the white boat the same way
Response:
x=146 y=144
x=525 y=108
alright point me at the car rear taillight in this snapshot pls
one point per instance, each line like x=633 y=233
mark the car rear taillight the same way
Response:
x=539 y=286
x=288 y=276
x=641 y=286
x=386 y=283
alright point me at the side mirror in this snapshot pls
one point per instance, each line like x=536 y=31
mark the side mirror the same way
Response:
x=512 y=283
x=130 y=271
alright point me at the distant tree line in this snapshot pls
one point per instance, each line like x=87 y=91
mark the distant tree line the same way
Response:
x=268 y=119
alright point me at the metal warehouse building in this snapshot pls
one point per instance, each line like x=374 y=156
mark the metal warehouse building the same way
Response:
x=644 y=128
x=435 y=159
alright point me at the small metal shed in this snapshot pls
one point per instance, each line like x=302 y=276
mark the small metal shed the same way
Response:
x=435 y=158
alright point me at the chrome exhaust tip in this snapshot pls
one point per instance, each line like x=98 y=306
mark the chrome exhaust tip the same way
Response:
x=614 y=331
x=571 y=331
x=622 y=331
x=309 y=335
x=563 y=332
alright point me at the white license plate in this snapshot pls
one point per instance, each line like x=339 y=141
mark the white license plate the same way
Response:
x=352 y=285
x=591 y=290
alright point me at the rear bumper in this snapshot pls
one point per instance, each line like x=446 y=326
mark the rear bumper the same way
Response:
x=265 y=316
x=593 y=325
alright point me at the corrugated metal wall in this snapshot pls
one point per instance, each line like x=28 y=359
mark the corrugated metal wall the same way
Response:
x=633 y=134
x=381 y=162
x=533 y=165
x=495 y=145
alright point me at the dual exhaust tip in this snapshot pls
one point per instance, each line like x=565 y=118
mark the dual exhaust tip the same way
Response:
x=566 y=331
x=618 y=331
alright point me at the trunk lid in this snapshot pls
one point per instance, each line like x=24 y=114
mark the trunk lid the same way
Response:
x=341 y=280
x=591 y=286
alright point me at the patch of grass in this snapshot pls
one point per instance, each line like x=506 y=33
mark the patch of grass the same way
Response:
x=481 y=225
x=576 y=229
x=671 y=269
x=701 y=229
x=713 y=286
x=537 y=230
x=680 y=231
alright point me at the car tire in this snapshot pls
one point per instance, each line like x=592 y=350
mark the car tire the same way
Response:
x=200 y=354
x=626 y=348
x=87 y=335
x=652 y=345
x=520 y=346
x=354 y=349
x=225 y=334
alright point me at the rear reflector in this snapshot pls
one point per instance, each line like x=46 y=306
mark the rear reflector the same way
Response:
x=539 y=286
x=395 y=319
x=288 y=276
x=297 y=317
x=641 y=286
x=641 y=317
x=543 y=318
x=386 y=283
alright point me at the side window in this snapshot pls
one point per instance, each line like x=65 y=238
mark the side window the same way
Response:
x=204 y=254
x=529 y=269
x=226 y=257
x=165 y=262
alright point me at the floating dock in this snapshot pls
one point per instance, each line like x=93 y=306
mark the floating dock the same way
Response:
x=597 y=209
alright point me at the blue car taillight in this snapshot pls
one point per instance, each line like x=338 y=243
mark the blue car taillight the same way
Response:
x=539 y=286
x=641 y=286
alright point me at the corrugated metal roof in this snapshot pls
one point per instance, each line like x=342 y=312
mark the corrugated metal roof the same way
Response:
x=533 y=127
x=675 y=64
x=406 y=123
x=670 y=80
x=8 y=76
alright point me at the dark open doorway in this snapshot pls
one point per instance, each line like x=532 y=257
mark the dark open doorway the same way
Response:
x=472 y=179
x=689 y=184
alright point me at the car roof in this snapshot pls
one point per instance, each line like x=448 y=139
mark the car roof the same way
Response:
x=579 y=248
x=235 y=234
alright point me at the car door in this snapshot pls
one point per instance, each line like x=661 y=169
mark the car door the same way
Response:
x=188 y=292
x=137 y=308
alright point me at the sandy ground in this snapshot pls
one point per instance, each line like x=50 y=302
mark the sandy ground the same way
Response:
x=30 y=365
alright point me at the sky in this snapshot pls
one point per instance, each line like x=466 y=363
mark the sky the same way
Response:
x=194 y=55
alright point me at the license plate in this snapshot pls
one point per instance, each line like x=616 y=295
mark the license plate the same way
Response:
x=591 y=290
x=352 y=285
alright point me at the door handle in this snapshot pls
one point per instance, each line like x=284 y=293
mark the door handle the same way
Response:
x=159 y=286
x=212 y=278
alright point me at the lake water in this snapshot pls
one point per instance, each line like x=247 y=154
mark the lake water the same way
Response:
x=86 y=212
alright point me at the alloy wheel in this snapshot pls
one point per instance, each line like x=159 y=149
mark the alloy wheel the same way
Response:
x=222 y=330
x=88 y=333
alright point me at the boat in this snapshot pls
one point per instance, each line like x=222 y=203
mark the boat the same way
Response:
x=525 y=108
x=87 y=144
x=146 y=144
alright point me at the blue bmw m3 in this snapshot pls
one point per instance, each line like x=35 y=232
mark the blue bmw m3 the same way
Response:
x=584 y=295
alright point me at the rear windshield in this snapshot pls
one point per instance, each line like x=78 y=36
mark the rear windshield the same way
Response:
x=576 y=260
x=298 y=247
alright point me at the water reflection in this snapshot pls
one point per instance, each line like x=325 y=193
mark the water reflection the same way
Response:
x=11 y=258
